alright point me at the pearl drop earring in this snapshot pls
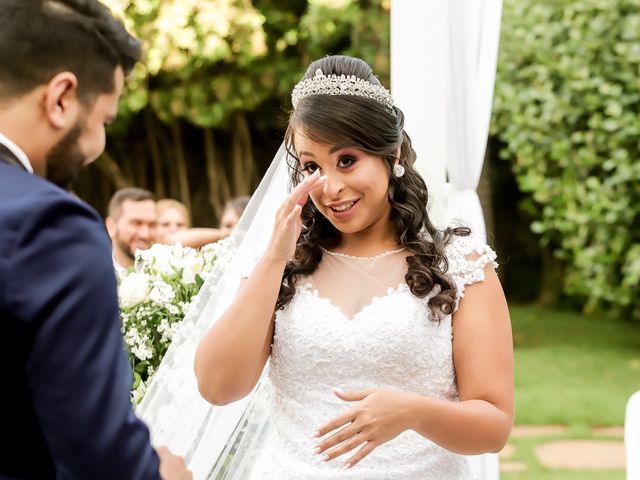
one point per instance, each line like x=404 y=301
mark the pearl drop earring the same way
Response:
x=398 y=170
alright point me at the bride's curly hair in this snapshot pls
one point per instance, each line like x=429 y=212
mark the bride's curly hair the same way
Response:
x=370 y=126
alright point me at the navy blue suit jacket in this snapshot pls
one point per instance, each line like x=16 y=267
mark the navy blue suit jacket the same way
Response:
x=64 y=407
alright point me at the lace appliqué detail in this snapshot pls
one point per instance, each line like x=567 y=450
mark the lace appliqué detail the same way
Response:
x=467 y=260
x=389 y=343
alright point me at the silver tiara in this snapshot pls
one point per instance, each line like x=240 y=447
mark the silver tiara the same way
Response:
x=322 y=84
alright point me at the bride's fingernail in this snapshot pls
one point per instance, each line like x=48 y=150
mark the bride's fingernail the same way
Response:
x=316 y=434
x=324 y=457
x=316 y=450
x=346 y=466
x=338 y=390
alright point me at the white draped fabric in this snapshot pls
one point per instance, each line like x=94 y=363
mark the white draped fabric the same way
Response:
x=474 y=33
x=418 y=86
x=632 y=437
x=443 y=66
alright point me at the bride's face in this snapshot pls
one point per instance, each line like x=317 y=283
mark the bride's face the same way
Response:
x=354 y=197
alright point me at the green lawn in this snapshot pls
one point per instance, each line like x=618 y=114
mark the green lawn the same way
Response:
x=573 y=369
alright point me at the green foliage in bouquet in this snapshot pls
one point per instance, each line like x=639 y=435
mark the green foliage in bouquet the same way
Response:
x=566 y=107
x=154 y=297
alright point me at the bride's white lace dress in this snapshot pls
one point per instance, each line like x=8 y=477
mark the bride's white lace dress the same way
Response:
x=354 y=324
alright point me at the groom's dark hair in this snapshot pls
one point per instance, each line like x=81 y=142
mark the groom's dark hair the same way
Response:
x=41 y=38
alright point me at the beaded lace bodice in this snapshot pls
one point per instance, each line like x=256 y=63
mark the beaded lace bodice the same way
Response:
x=354 y=324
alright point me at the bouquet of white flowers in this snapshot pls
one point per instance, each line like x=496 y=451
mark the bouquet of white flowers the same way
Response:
x=154 y=297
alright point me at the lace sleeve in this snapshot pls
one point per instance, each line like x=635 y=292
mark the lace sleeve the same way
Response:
x=467 y=259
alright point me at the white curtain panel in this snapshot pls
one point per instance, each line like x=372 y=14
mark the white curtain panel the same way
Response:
x=443 y=64
x=632 y=437
x=418 y=86
x=474 y=33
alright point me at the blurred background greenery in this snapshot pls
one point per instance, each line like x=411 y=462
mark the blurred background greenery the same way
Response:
x=204 y=115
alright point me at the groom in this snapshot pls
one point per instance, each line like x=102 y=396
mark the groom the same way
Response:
x=64 y=409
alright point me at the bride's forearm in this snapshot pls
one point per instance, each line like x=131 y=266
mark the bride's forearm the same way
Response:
x=468 y=427
x=232 y=354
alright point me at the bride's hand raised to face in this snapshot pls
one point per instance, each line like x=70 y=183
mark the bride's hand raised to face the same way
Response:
x=288 y=223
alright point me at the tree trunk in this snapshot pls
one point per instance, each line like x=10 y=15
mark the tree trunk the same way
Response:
x=139 y=161
x=109 y=168
x=551 y=284
x=243 y=166
x=217 y=180
x=181 y=165
x=156 y=157
x=247 y=146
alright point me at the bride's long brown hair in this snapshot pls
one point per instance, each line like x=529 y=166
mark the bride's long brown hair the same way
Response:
x=378 y=130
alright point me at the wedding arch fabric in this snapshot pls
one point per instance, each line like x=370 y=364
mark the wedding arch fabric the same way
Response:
x=217 y=442
x=443 y=67
x=632 y=436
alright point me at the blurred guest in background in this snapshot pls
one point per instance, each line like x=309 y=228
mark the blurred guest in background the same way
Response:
x=174 y=223
x=232 y=212
x=172 y=217
x=131 y=223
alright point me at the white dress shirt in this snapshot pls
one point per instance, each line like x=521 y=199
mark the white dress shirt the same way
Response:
x=17 y=151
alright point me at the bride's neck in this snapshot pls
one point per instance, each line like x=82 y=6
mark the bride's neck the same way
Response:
x=368 y=243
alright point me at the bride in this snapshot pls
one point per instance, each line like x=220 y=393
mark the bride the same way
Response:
x=388 y=341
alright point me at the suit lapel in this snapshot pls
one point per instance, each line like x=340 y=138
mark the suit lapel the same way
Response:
x=7 y=156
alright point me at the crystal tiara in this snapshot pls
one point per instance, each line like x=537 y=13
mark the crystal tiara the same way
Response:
x=322 y=84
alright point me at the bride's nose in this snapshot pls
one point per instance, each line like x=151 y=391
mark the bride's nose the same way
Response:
x=333 y=185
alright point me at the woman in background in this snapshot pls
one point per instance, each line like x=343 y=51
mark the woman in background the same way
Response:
x=174 y=226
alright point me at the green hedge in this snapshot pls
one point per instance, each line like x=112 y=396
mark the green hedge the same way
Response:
x=567 y=107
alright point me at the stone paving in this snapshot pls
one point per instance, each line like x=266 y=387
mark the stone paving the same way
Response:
x=593 y=454
x=582 y=454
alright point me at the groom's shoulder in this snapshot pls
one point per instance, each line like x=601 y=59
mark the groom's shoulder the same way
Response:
x=28 y=203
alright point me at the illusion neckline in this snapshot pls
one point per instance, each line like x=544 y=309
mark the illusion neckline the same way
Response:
x=354 y=257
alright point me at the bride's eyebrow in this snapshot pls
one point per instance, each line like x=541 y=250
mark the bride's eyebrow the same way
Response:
x=342 y=147
x=306 y=154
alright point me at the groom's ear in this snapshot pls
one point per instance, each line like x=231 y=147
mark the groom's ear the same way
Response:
x=61 y=103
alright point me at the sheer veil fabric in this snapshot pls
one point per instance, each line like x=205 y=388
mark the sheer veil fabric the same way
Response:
x=217 y=442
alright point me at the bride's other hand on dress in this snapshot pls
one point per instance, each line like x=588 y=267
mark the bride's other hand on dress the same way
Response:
x=376 y=418
x=288 y=223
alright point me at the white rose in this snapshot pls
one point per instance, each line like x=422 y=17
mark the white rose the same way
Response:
x=191 y=266
x=188 y=276
x=133 y=290
x=162 y=259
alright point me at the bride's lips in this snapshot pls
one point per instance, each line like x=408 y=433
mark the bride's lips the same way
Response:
x=343 y=210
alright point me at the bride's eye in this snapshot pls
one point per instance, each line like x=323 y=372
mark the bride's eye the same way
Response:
x=309 y=167
x=346 y=161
